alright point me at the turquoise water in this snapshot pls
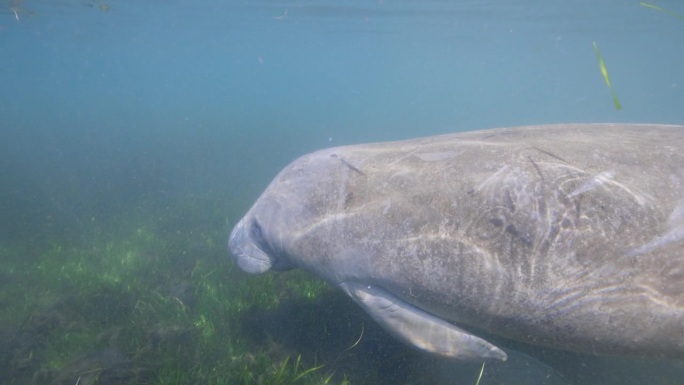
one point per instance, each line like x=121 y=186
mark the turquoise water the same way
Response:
x=193 y=97
x=234 y=90
x=111 y=110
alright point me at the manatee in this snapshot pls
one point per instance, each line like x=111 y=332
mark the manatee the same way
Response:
x=566 y=236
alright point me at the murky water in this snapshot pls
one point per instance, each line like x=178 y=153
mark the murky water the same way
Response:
x=134 y=135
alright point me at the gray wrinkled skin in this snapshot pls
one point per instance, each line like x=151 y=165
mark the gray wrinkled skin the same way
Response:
x=569 y=236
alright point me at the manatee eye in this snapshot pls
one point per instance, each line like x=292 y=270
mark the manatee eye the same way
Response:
x=257 y=232
x=257 y=236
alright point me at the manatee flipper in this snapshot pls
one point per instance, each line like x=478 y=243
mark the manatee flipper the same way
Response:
x=419 y=328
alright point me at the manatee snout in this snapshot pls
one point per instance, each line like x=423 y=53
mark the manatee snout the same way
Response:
x=252 y=245
x=247 y=253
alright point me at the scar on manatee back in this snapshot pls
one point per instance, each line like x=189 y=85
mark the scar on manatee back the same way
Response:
x=551 y=154
x=352 y=167
x=536 y=167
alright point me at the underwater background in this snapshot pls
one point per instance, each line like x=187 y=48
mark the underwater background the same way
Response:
x=135 y=134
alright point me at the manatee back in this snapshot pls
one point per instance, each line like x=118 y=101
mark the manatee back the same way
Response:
x=570 y=235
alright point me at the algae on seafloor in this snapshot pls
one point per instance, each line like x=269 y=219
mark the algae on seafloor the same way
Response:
x=146 y=305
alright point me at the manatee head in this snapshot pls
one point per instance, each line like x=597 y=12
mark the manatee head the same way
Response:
x=311 y=217
x=296 y=200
